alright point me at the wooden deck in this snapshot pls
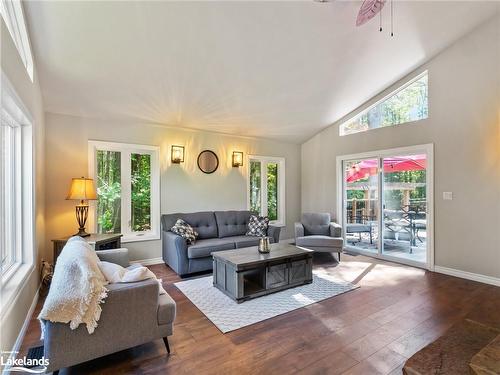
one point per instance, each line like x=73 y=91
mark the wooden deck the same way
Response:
x=371 y=330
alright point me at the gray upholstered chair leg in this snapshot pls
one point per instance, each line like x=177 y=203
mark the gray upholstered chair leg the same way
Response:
x=165 y=340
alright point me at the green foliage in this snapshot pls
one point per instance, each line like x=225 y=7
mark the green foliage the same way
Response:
x=409 y=104
x=255 y=180
x=141 y=192
x=108 y=191
x=272 y=191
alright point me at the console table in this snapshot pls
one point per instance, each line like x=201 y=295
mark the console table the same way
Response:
x=96 y=240
x=243 y=274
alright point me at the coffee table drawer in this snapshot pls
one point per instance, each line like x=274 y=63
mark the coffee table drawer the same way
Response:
x=276 y=275
x=300 y=271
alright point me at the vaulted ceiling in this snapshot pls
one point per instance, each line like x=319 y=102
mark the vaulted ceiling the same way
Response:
x=280 y=70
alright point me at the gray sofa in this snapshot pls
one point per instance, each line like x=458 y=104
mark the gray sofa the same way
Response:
x=317 y=232
x=132 y=314
x=219 y=230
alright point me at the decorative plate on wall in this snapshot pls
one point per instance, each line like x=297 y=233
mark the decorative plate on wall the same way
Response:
x=208 y=162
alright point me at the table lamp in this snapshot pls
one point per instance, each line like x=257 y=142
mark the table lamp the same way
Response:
x=82 y=189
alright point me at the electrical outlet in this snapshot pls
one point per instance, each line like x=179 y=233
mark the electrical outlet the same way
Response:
x=447 y=195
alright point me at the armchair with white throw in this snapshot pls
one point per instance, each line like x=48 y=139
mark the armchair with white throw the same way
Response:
x=317 y=232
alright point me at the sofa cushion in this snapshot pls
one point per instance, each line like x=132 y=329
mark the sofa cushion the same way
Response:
x=232 y=223
x=203 y=248
x=202 y=222
x=247 y=241
x=319 y=241
x=166 y=309
x=316 y=223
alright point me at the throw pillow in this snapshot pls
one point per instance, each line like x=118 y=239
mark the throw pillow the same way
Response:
x=185 y=230
x=257 y=226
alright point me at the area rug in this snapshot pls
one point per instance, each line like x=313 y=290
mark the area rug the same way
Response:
x=227 y=315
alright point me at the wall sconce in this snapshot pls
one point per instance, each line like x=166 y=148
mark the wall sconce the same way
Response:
x=237 y=158
x=177 y=154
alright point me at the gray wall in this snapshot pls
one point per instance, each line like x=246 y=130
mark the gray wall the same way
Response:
x=14 y=315
x=184 y=188
x=463 y=124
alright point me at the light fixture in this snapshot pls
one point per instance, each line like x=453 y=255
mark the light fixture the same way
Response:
x=177 y=154
x=82 y=189
x=237 y=158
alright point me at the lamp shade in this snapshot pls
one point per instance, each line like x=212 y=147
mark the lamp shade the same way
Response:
x=82 y=189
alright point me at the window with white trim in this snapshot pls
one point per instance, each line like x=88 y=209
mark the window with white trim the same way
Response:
x=12 y=14
x=127 y=178
x=266 y=187
x=16 y=185
x=408 y=103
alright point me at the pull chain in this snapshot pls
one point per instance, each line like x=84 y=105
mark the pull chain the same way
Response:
x=380 y=20
x=392 y=17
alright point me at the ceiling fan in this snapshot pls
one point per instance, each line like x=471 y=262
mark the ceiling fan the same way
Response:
x=368 y=10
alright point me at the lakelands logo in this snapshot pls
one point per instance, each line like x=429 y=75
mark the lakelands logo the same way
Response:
x=10 y=362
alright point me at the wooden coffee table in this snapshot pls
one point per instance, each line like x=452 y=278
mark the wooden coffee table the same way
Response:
x=243 y=274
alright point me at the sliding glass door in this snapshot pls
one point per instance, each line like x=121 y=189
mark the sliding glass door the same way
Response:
x=362 y=205
x=405 y=207
x=385 y=204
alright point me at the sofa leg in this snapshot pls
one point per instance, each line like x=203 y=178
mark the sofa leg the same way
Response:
x=339 y=256
x=165 y=340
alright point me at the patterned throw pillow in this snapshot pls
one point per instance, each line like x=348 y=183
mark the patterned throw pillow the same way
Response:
x=257 y=226
x=184 y=230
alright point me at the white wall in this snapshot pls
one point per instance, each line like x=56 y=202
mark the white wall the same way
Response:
x=13 y=317
x=184 y=188
x=464 y=125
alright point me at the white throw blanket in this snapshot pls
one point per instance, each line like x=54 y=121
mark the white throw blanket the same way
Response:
x=77 y=289
x=115 y=273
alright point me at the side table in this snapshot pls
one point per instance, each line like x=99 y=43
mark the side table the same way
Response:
x=96 y=240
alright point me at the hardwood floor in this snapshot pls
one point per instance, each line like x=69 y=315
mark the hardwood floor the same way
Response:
x=372 y=330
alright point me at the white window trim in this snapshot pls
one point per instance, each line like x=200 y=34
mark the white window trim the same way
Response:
x=14 y=279
x=127 y=149
x=363 y=111
x=13 y=15
x=281 y=222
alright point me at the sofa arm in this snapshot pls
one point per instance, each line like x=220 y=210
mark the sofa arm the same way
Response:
x=274 y=232
x=118 y=256
x=299 y=230
x=174 y=252
x=335 y=230
x=129 y=318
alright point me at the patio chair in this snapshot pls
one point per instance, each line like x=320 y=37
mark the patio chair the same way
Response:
x=360 y=224
x=317 y=232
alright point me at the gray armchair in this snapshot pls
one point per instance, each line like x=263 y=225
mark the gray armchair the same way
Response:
x=132 y=314
x=317 y=232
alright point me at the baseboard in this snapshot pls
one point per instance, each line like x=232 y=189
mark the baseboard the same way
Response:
x=468 y=275
x=148 y=262
x=22 y=332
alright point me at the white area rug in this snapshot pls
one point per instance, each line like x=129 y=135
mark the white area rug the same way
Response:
x=228 y=315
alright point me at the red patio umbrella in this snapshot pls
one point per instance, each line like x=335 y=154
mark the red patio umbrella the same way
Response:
x=368 y=167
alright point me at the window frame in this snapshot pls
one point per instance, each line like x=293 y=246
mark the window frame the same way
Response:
x=15 y=115
x=126 y=149
x=265 y=160
x=13 y=15
x=364 y=111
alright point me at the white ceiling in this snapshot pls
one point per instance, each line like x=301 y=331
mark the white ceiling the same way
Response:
x=280 y=70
